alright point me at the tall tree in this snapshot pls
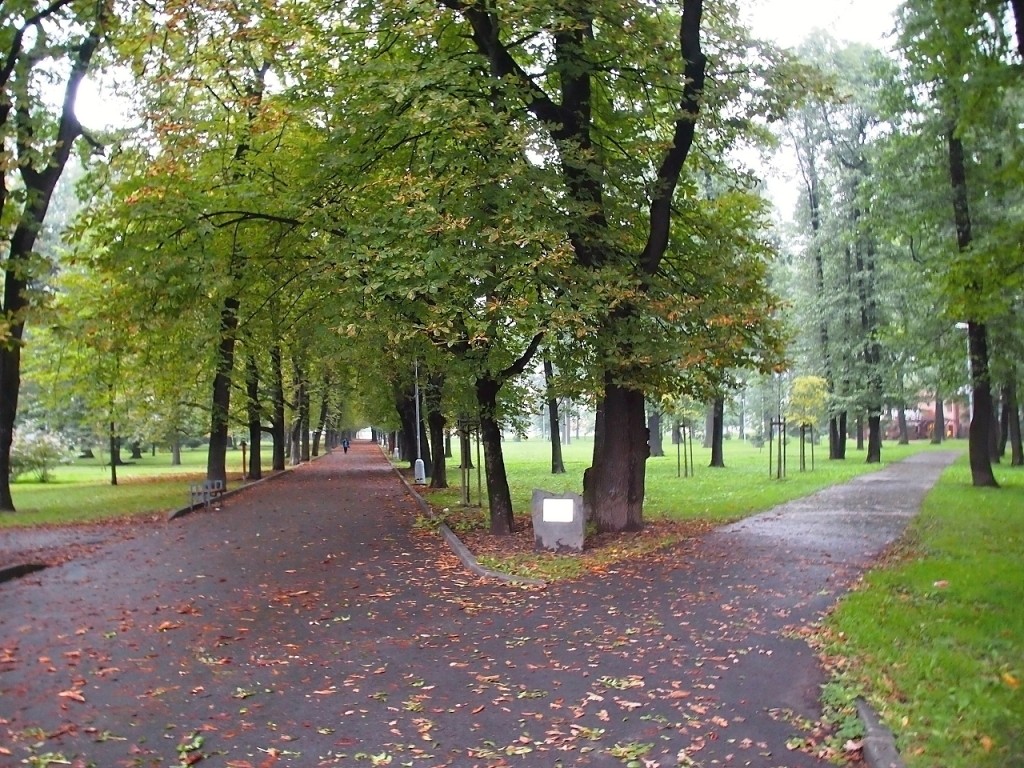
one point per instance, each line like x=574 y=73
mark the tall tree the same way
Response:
x=63 y=37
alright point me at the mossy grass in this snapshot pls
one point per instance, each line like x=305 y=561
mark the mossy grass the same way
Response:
x=935 y=637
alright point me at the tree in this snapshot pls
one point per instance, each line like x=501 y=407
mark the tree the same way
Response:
x=62 y=37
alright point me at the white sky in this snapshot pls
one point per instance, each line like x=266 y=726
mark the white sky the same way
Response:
x=788 y=22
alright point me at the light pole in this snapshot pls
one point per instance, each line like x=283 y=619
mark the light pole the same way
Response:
x=419 y=475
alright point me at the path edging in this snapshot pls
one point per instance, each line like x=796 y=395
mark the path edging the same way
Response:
x=456 y=545
x=879 y=743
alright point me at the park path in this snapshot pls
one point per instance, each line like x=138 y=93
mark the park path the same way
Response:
x=303 y=624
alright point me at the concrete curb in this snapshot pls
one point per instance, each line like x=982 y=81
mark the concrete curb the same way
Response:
x=176 y=513
x=456 y=545
x=879 y=743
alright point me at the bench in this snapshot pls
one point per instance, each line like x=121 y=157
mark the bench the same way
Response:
x=204 y=493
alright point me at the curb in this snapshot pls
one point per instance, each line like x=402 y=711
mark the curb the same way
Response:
x=456 y=545
x=879 y=743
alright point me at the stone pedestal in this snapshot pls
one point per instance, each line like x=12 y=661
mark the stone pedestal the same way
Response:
x=559 y=521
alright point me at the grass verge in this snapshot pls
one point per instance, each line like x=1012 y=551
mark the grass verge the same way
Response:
x=935 y=637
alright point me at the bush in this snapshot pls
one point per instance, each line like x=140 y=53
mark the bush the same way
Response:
x=36 y=451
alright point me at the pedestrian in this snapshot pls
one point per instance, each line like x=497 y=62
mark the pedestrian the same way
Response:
x=344 y=445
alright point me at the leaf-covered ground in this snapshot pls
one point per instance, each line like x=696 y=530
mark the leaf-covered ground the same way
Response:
x=306 y=625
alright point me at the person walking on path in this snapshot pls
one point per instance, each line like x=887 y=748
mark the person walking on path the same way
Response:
x=305 y=625
x=345 y=444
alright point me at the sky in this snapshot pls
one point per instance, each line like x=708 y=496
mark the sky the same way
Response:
x=788 y=22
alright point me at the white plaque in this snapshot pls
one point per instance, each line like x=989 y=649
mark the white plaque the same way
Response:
x=557 y=510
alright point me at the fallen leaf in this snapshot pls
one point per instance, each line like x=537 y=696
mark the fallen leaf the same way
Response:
x=72 y=694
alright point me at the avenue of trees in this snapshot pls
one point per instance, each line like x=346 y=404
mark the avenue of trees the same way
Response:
x=309 y=204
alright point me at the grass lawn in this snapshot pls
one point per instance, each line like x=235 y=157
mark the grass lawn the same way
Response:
x=936 y=638
x=741 y=488
x=81 y=491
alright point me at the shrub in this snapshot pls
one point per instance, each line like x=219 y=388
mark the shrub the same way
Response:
x=36 y=451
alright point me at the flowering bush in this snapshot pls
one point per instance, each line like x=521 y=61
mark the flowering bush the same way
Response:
x=36 y=451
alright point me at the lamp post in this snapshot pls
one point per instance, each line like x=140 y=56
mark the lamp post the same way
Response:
x=419 y=475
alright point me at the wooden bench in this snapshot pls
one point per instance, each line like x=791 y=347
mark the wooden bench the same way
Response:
x=204 y=493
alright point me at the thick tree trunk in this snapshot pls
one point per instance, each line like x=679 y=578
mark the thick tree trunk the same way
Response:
x=176 y=451
x=254 y=417
x=613 y=486
x=499 y=498
x=1018 y=16
x=874 y=439
x=436 y=423
x=277 y=419
x=216 y=463
x=136 y=448
x=655 y=439
x=554 y=423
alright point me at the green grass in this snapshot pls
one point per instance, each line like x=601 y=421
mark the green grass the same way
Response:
x=937 y=638
x=741 y=488
x=81 y=491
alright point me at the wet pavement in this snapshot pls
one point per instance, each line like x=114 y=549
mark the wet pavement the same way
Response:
x=304 y=625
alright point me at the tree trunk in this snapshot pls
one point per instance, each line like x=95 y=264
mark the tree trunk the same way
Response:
x=837 y=437
x=38 y=186
x=254 y=417
x=901 y=420
x=613 y=486
x=717 y=432
x=1013 y=425
x=654 y=432
x=216 y=463
x=136 y=448
x=304 y=416
x=874 y=439
x=1018 y=15
x=499 y=498
x=939 y=424
x=465 y=450
x=176 y=451
x=436 y=423
x=1004 y=421
x=115 y=453
x=277 y=419
x=321 y=422
x=979 y=441
x=557 y=465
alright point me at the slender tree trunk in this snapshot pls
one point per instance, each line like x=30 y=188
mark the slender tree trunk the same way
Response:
x=901 y=420
x=837 y=437
x=216 y=463
x=465 y=449
x=436 y=423
x=1004 y=421
x=38 y=187
x=1013 y=425
x=499 y=498
x=277 y=420
x=979 y=440
x=557 y=465
x=654 y=431
x=939 y=425
x=613 y=486
x=254 y=416
x=115 y=452
x=717 y=432
x=304 y=416
x=321 y=422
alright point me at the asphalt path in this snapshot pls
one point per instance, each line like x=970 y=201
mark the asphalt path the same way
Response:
x=305 y=624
